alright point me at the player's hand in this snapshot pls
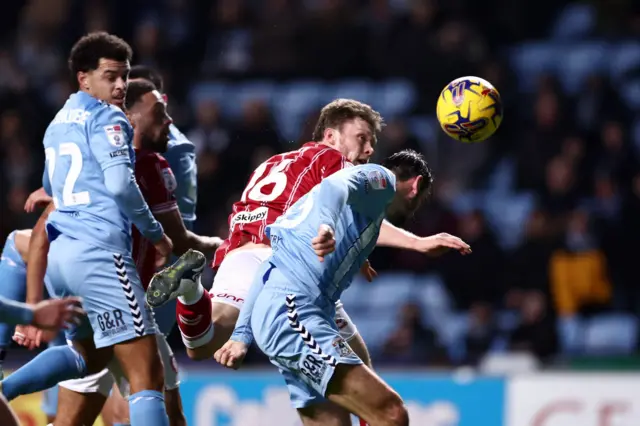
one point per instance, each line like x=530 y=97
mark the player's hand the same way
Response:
x=164 y=247
x=38 y=198
x=231 y=354
x=368 y=271
x=324 y=243
x=436 y=245
x=55 y=314
x=32 y=337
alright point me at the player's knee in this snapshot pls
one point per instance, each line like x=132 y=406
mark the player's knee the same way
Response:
x=395 y=412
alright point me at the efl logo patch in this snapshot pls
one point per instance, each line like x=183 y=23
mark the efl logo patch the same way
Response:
x=377 y=180
x=343 y=348
x=169 y=179
x=115 y=135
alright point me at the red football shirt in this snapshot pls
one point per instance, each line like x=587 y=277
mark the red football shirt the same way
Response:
x=157 y=184
x=273 y=187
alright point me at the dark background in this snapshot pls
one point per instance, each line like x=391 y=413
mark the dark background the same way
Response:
x=550 y=204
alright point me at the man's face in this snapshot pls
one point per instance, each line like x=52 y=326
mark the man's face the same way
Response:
x=355 y=140
x=108 y=82
x=152 y=121
x=408 y=199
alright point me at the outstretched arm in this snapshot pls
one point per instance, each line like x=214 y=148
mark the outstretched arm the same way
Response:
x=434 y=245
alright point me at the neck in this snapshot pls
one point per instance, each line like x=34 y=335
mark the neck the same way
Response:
x=137 y=140
x=325 y=143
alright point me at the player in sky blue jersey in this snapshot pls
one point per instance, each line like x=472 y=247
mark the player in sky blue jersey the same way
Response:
x=319 y=245
x=13 y=279
x=51 y=315
x=88 y=173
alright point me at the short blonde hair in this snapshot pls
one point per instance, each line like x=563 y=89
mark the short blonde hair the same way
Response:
x=336 y=113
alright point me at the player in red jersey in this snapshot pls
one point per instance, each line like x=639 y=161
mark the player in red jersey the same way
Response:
x=347 y=132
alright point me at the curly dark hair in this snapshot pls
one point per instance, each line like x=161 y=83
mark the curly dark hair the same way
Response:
x=87 y=52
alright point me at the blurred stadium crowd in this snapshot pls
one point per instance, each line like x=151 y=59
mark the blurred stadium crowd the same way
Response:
x=550 y=205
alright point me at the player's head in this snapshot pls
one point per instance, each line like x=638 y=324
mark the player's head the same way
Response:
x=148 y=114
x=351 y=127
x=413 y=183
x=143 y=72
x=100 y=63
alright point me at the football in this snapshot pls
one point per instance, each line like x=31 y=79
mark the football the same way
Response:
x=469 y=109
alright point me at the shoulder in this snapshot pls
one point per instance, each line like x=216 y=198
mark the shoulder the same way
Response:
x=108 y=115
x=374 y=176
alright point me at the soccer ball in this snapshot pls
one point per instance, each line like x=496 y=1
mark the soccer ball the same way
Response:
x=469 y=109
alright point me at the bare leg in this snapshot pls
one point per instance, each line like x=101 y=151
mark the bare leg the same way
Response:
x=326 y=414
x=360 y=391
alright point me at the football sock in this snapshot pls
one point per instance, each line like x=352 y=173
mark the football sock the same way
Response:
x=194 y=320
x=146 y=408
x=193 y=295
x=44 y=371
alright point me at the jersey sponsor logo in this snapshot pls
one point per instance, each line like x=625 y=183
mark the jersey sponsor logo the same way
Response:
x=111 y=323
x=256 y=215
x=313 y=368
x=377 y=180
x=229 y=296
x=119 y=153
x=169 y=179
x=342 y=347
x=115 y=135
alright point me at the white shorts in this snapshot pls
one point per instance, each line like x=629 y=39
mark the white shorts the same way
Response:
x=236 y=273
x=103 y=381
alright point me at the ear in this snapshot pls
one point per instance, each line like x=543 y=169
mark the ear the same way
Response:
x=415 y=186
x=133 y=118
x=165 y=98
x=330 y=136
x=83 y=80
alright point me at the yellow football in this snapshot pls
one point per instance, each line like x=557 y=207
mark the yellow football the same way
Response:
x=469 y=109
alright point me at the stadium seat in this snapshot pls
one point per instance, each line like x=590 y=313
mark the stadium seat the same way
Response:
x=375 y=330
x=624 y=59
x=216 y=91
x=575 y=21
x=361 y=90
x=631 y=94
x=615 y=334
x=507 y=215
x=507 y=320
x=249 y=91
x=530 y=60
x=388 y=292
x=293 y=103
x=435 y=302
x=571 y=334
x=395 y=97
x=468 y=201
x=502 y=180
x=425 y=129
x=579 y=62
